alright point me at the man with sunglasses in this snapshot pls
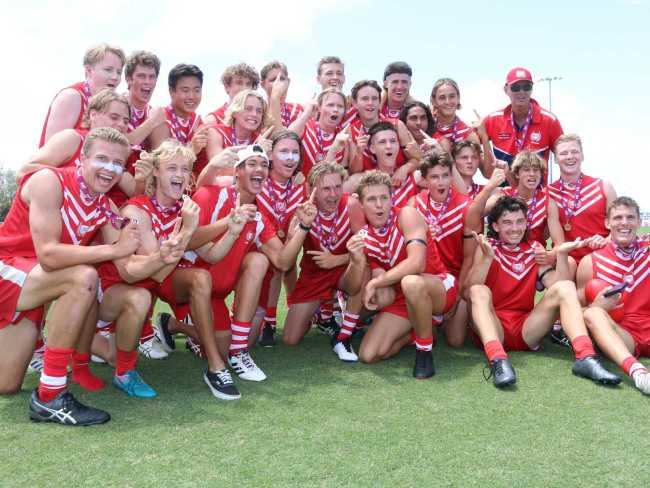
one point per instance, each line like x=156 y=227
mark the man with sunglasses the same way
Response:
x=523 y=124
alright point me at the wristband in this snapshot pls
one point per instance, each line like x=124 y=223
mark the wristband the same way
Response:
x=418 y=240
x=304 y=227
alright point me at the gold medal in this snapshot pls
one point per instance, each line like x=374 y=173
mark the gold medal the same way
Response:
x=567 y=227
x=281 y=234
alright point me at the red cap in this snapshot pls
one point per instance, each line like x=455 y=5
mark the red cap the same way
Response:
x=518 y=74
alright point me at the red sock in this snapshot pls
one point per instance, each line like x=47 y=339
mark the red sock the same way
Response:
x=423 y=344
x=125 y=361
x=583 y=347
x=147 y=331
x=631 y=366
x=494 y=350
x=270 y=316
x=348 y=325
x=239 y=341
x=54 y=376
x=82 y=375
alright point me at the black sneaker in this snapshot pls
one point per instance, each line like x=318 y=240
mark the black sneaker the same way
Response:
x=591 y=368
x=162 y=332
x=330 y=327
x=502 y=372
x=423 y=365
x=65 y=410
x=559 y=337
x=221 y=384
x=267 y=337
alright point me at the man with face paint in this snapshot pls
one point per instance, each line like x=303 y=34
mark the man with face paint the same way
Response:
x=500 y=288
x=408 y=284
x=397 y=85
x=242 y=270
x=523 y=124
x=103 y=67
x=278 y=201
x=45 y=256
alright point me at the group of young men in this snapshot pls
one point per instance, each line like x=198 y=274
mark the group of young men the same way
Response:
x=124 y=204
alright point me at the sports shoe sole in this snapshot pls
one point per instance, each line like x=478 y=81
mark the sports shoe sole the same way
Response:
x=217 y=393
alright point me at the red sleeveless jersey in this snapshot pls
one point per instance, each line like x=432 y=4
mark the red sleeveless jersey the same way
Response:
x=389 y=113
x=84 y=91
x=329 y=232
x=615 y=268
x=446 y=226
x=181 y=129
x=315 y=144
x=512 y=277
x=455 y=132
x=220 y=114
x=536 y=217
x=290 y=113
x=215 y=203
x=589 y=214
x=229 y=139
x=138 y=117
x=401 y=195
x=357 y=129
x=81 y=219
x=386 y=247
x=278 y=203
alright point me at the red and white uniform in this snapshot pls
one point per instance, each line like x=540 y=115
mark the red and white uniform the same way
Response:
x=315 y=144
x=329 y=232
x=84 y=92
x=349 y=116
x=162 y=225
x=220 y=114
x=290 y=113
x=357 y=129
x=455 y=132
x=475 y=190
x=537 y=215
x=138 y=116
x=588 y=216
x=445 y=223
x=614 y=267
x=215 y=204
x=183 y=131
x=539 y=136
x=278 y=203
x=230 y=139
x=389 y=113
x=512 y=278
x=403 y=194
x=386 y=248
x=82 y=216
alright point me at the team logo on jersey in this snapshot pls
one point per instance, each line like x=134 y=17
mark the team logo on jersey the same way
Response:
x=281 y=206
x=535 y=136
x=629 y=279
x=83 y=229
x=249 y=236
x=518 y=267
x=503 y=136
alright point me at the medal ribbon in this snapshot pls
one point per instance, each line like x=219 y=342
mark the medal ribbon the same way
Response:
x=519 y=143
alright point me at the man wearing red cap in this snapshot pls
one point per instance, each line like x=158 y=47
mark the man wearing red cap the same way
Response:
x=523 y=124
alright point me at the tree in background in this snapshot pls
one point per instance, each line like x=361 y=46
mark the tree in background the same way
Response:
x=7 y=190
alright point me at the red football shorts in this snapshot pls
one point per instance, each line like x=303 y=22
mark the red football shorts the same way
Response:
x=13 y=273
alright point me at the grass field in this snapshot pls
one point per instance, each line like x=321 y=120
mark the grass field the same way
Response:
x=317 y=422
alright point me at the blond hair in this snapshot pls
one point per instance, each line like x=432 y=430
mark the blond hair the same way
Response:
x=325 y=168
x=568 y=138
x=100 y=101
x=96 y=53
x=238 y=103
x=106 y=134
x=373 y=178
x=527 y=159
x=170 y=148
x=327 y=91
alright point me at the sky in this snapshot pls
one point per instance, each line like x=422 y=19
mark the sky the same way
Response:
x=598 y=48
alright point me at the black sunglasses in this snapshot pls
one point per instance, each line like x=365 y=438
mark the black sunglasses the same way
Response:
x=522 y=86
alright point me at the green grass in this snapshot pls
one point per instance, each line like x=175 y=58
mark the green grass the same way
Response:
x=319 y=422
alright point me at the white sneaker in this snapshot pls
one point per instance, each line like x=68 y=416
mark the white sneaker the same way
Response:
x=97 y=359
x=36 y=363
x=343 y=349
x=152 y=349
x=642 y=382
x=245 y=367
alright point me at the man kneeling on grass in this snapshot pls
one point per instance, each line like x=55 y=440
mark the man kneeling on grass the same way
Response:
x=501 y=288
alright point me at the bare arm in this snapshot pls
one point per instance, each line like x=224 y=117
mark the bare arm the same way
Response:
x=156 y=118
x=483 y=257
x=64 y=112
x=54 y=152
x=354 y=275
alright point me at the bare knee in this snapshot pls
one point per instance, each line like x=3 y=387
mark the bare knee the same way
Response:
x=563 y=289
x=201 y=284
x=413 y=286
x=480 y=294
x=595 y=318
x=255 y=265
x=84 y=280
x=138 y=300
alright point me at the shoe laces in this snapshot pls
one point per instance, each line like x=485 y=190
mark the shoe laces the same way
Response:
x=224 y=377
x=247 y=360
x=494 y=369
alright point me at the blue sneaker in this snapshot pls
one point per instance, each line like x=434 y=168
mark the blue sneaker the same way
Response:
x=131 y=384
